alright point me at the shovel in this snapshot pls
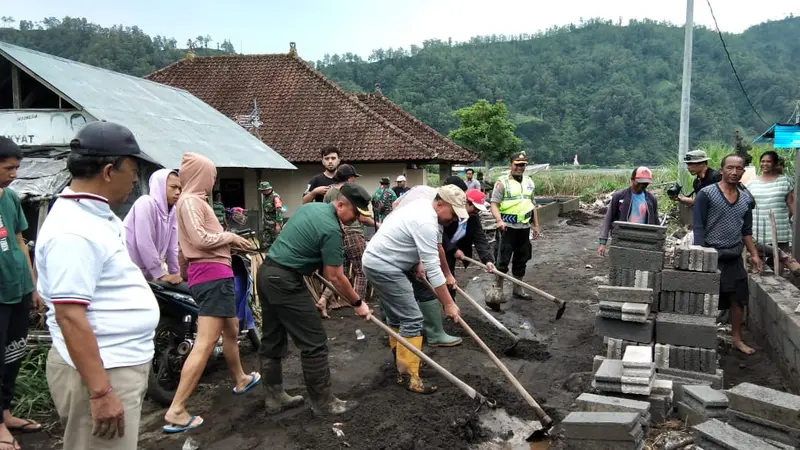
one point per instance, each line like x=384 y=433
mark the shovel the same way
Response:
x=471 y=392
x=541 y=434
x=562 y=305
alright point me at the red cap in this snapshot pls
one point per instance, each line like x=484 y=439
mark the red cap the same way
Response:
x=643 y=175
x=477 y=198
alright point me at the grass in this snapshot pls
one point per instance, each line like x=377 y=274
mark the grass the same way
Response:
x=32 y=396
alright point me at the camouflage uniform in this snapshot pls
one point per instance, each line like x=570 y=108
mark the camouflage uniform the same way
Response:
x=271 y=214
x=382 y=200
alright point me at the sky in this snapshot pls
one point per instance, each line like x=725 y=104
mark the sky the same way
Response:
x=360 y=26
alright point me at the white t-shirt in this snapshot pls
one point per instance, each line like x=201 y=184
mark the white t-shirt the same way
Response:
x=420 y=192
x=81 y=258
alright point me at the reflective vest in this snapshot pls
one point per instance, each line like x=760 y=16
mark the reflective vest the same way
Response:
x=516 y=206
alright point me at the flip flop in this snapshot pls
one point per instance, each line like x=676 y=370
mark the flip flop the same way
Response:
x=255 y=378
x=29 y=427
x=173 y=428
x=14 y=444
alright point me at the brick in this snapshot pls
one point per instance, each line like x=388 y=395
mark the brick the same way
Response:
x=661 y=355
x=623 y=294
x=710 y=259
x=687 y=377
x=769 y=404
x=716 y=412
x=690 y=331
x=620 y=226
x=657 y=246
x=764 y=429
x=678 y=280
x=695 y=258
x=611 y=315
x=604 y=426
x=710 y=305
x=636 y=259
x=610 y=306
x=635 y=318
x=642 y=280
x=707 y=397
x=638 y=356
x=614 y=348
x=638 y=381
x=660 y=405
x=708 y=360
x=596 y=362
x=694 y=359
x=603 y=403
x=681 y=303
x=610 y=371
x=728 y=437
x=638 y=373
x=641 y=309
x=674 y=357
x=662 y=387
x=690 y=416
x=631 y=331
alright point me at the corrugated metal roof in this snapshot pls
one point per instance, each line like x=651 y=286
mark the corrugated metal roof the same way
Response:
x=167 y=121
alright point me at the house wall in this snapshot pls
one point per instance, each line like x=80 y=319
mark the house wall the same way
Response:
x=291 y=184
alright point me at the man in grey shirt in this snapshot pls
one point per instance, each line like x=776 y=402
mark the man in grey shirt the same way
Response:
x=472 y=184
x=407 y=240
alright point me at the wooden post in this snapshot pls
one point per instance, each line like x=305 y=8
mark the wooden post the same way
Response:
x=16 y=88
x=44 y=207
x=776 y=264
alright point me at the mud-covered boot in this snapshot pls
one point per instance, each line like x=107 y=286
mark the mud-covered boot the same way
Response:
x=408 y=365
x=434 y=329
x=495 y=296
x=275 y=398
x=393 y=346
x=317 y=376
x=520 y=292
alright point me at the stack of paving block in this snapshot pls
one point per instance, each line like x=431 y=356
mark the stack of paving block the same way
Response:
x=771 y=415
x=603 y=431
x=715 y=435
x=636 y=254
x=699 y=403
x=588 y=402
x=634 y=374
x=625 y=314
x=686 y=330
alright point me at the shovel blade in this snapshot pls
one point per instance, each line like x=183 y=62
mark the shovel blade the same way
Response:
x=541 y=445
x=561 y=310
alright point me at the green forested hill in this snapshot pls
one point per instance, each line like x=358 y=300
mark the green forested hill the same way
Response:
x=607 y=92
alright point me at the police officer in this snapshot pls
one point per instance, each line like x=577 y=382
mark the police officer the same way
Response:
x=271 y=214
x=514 y=211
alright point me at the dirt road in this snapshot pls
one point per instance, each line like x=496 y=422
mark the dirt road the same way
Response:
x=552 y=364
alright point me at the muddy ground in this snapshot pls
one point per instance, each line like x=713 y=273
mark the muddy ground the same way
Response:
x=551 y=363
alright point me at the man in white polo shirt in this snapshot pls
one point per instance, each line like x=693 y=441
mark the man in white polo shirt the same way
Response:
x=101 y=312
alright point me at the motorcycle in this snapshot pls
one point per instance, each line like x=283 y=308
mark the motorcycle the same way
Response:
x=177 y=327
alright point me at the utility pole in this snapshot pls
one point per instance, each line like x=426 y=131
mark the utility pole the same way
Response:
x=796 y=224
x=686 y=90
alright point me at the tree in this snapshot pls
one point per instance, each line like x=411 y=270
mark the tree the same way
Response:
x=7 y=21
x=227 y=47
x=485 y=129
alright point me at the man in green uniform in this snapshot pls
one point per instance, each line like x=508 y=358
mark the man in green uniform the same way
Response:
x=17 y=293
x=382 y=201
x=219 y=209
x=311 y=240
x=514 y=210
x=271 y=214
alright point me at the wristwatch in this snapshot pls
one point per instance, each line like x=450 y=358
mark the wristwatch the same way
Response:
x=358 y=303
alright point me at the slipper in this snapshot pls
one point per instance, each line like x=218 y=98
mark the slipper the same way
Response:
x=173 y=428
x=255 y=378
x=29 y=427
x=14 y=444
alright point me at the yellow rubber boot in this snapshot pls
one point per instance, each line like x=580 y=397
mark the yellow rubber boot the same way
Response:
x=408 y=367
x=393 y=348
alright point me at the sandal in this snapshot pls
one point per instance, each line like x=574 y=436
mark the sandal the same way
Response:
x=29 y=427
x=13 y=443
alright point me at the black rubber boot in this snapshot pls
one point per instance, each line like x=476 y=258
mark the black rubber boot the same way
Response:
x=317 y=375
x=275 y=398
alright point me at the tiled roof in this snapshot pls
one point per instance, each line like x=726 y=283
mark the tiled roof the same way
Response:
x=300 y=111
x=444 y=147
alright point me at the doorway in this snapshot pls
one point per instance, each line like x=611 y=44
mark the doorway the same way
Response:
x=232 y=190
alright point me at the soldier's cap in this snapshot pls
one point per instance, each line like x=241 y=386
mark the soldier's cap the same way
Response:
x=453 y=195
x=103 y=138
x=519 y=157
x=358 y=196
x=455 y=180
x=695 y=156
x=264 y=186
x=385 y=180
x=346 y=171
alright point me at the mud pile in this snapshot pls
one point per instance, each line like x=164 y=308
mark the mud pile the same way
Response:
x=390 y=418
x=498 y=342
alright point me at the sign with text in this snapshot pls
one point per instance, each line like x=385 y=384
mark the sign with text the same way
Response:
x=42 y=127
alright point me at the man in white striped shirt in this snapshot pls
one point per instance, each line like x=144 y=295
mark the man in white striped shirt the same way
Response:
x=390 y=263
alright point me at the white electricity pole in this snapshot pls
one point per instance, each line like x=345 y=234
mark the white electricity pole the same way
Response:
x=686 y=89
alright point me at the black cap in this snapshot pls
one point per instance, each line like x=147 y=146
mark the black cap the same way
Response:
x=346 y=171
x=457 y=181
x=358 y=196
x=385 y=180
x=103 y=138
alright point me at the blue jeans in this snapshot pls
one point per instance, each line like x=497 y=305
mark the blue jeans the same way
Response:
x=395 y=296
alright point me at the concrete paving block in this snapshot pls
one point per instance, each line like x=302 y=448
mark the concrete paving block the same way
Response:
x=623 y=294
x=638 y=373
x=718 y=413
x=681 y=303
x=710 y=259
x=603 y=403
x=638 y=356
x=769 y=404
x=610 y=306
x=710 y=305
x=601 y=386
x=637 y=318
x=610 y=371
x=611 y=315
x=661 y=355
x=690 y=331
x=729 y=437
x=621 y=226
x=690 y=416
x=686 y=377
x=679 y=280
x=631 y=331
x=675 y=359
x=695 y=359
x=641 y=279
x=708 y=360
x=764 y=428
x=670 y=303
x=638 y=381
x=614 y=349
x=583 y=444
x=662 y=387
x=695 y=259
x=707 y=397
x=636 y=389
x=604 y=426
x=690 y=307
x=685 y=256
x=596 y=363
x=636 y=259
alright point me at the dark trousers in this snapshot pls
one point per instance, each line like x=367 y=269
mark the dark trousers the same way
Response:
x=516 y=250
x=287 y=309
x=13 y=346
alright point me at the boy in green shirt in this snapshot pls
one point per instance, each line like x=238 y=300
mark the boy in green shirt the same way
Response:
x=17 y=293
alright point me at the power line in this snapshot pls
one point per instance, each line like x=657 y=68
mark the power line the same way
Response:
x=735 y=73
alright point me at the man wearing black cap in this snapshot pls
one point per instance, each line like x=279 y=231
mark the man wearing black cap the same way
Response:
x=101 y=312
x=311 y=240
x=382 y=201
